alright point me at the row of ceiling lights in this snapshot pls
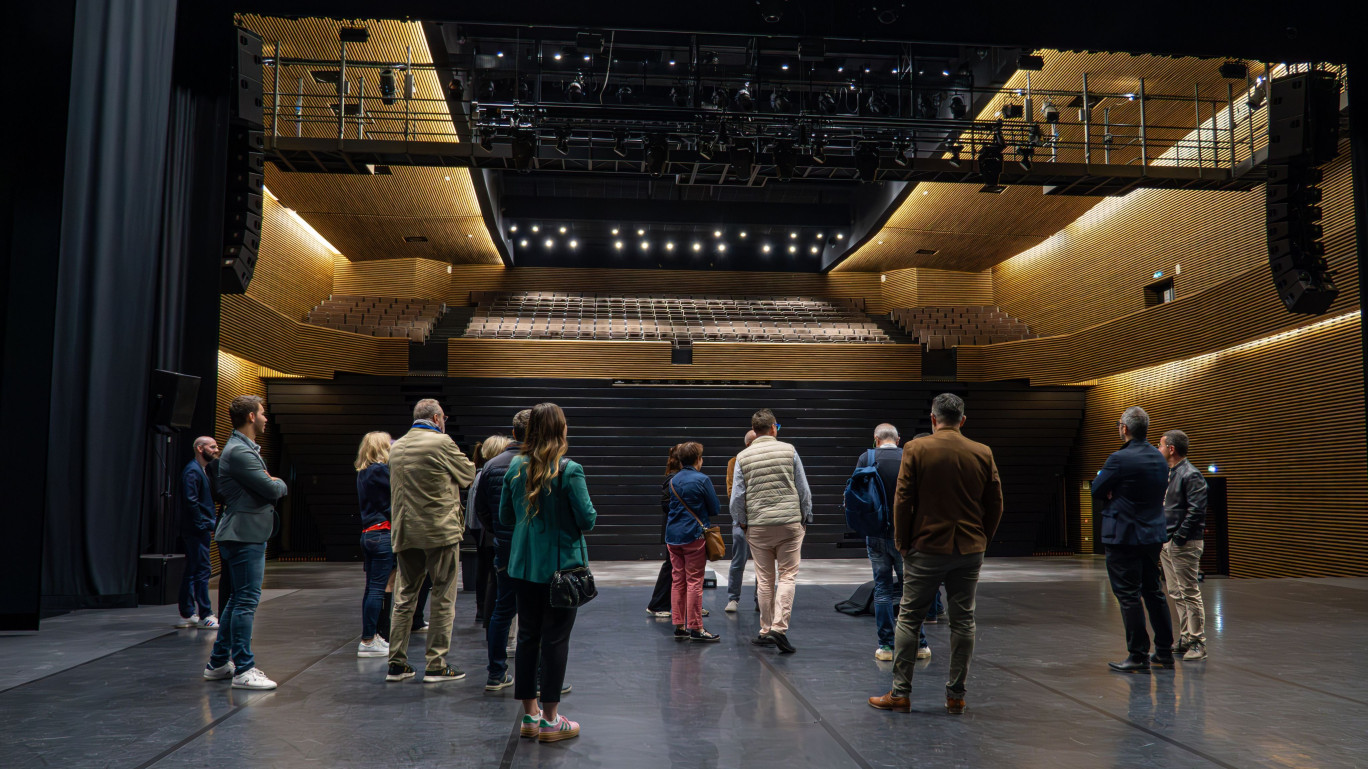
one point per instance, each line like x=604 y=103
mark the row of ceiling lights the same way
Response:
x=717 y=233
x=645 y=245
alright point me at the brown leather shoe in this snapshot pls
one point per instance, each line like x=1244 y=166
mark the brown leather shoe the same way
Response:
x=954 y=703
x=891 y=702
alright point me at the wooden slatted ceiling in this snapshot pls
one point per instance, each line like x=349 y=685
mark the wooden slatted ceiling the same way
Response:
x=465 y=279
x=294 y=270
x=1298 y=486
x=392 y=278
x=973 y=231
x=258 y=333
x=315 y=38
x=651 y=360
x=368 y=216
x=1096 y=269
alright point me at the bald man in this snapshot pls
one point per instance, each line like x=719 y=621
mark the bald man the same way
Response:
x=197 y=525
x=739 y=550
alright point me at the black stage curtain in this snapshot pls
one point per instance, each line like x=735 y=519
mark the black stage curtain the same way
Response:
x=106 y=312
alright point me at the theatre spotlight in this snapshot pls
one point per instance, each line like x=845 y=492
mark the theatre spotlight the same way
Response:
x=620 y=143
x=990 y=164
x=718 y=99
x=771 y=10
x=955 y=150
x=819 y=151
x=625 y=95
x=785 y=160
x=707 y=147
x=524 y=148
x=744 y=100
x=388 y=89
x=900 y=158
x=486 y=140
x=958 y=109
x=657 y=154
x=574 y=90
x=1049 y=111
x=1024 y=154
x=877 y=104
x=780 y=101
x=867 y=160
x=743 y=159
x=679 y=97
x=826 y=103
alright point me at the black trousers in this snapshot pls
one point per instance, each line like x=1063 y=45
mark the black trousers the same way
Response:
x=484 y=581
x=660 y=596
x=543 y=636
x=1137 y=583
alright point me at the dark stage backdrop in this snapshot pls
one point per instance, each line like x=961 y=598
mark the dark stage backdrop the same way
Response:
x=622 y=434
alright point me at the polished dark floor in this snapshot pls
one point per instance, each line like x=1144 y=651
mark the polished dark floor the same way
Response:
x=1285 y=686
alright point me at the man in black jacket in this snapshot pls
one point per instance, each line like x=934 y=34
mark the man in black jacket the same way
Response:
x=1129 y=491
x=1185 y=504
x=197 y=526
x=487 y=494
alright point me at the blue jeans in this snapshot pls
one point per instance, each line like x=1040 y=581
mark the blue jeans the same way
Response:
x=501 y=616
x=194 y=587
x=887 y=562
x=246 y=565
x=379 y=561
x=937 y=608
x=740 y=552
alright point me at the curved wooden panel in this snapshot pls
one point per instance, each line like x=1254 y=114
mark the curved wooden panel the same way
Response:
x=294 y=270
x=257 y=333
x=651 y=360
x=391 y=278
x=944 y=288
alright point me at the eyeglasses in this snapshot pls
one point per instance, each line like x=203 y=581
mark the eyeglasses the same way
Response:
x=777 y=426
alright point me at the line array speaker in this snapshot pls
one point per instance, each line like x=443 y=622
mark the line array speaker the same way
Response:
x=1303 y=115
x=246 y=168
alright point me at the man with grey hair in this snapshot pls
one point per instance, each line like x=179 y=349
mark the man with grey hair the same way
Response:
x=947 y=507
x=883 y=554
x=427 y=472
x=1129 y=492
x=1185 y=503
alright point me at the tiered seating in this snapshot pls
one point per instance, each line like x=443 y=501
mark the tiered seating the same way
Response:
x=940 y=328
x=679 y=319
x=412 y=319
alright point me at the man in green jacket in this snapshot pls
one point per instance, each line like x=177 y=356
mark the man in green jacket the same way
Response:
x=427 y=473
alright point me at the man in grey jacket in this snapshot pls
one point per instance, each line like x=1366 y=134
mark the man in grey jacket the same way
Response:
x=1185 y=503
x=249 y=495
x=772 y=503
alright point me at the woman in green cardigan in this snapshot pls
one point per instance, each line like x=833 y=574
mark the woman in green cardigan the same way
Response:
x=546 y=502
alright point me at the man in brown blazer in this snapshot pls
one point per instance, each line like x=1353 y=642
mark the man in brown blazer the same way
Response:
x=427 y=473
x=946 y=509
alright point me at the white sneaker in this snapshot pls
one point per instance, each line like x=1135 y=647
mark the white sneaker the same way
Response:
x=218 y=673
x=191 y=621
x=421 y=629
x=253 y=679
x=209 y=622
x=376 y=648
x=924 y=652
x=883 y=653
x=731 y=607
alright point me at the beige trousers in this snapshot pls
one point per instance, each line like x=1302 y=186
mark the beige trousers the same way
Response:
x=1181 y=563
x=440 y=563
x=777 y=551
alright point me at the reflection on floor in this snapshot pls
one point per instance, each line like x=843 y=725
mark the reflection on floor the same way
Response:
x=122 y=688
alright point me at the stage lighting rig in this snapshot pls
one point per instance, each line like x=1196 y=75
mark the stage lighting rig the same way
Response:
x=388 y=88
x=771 y=10
x=990 y=161
x=486 y=139
x=877 y=104
x=657 y=155
x=620 y=143
x=1049 y=111
x=955 y=150
x=826 y=103
x=1025 y=153
x=819 y=151
x=524 y=148
x=574 y=90
x=780 y=100
x=744 y=100
x=867 y=160
x=785 y=160
x=679 y=96
x=958 y=109
x=563 y=141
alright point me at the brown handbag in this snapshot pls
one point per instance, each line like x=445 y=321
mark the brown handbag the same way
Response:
x=713 y=545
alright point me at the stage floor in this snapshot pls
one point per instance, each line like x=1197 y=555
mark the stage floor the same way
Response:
x=1286 y=685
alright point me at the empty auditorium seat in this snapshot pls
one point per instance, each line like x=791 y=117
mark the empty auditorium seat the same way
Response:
x=412 y=319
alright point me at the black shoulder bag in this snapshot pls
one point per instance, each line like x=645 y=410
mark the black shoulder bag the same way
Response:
x=571 y=588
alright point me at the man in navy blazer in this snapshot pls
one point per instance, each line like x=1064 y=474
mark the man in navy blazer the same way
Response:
x=1129 y=492
x=197 y=525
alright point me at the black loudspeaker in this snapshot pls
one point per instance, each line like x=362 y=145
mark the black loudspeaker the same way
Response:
x=159 y=578
x=248 y=101
x=242 y=219
x=1303 y=117
x=1296 y=255
x=173 y=399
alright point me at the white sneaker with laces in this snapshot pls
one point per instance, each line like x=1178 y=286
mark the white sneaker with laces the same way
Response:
x=253 y=679
x=731 y=607
x=883 y=653
x=924 y=652
x=219 y=673
x=376 y=648
x=209 y=622
x=191 y=621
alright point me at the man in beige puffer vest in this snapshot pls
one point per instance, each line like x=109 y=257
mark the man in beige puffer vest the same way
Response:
x=772 y=503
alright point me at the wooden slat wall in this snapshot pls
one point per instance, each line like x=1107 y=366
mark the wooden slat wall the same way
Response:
x=294 y=270
x=651 y=360
x=391 y=278
x=1096 y=268
x=251 y=330
x=900 y=288
x=1283 y=421
x=941 y=288
x=467 y=278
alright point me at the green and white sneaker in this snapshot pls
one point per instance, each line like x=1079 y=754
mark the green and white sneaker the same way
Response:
x=883 y=653
x=562 y=729
x=530 y=725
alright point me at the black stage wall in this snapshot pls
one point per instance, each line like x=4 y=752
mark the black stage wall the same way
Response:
x=621 y=435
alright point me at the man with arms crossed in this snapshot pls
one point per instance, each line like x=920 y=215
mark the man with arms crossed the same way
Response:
x=946 y=510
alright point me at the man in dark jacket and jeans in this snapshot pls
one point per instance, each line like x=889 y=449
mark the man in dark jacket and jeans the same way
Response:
x=1185 y=504
x=197 y=526
x=1129 y=491
x=487 y=495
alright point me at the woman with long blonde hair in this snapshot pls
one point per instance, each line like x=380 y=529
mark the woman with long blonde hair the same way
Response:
x=546 y=501
x=373 y=495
